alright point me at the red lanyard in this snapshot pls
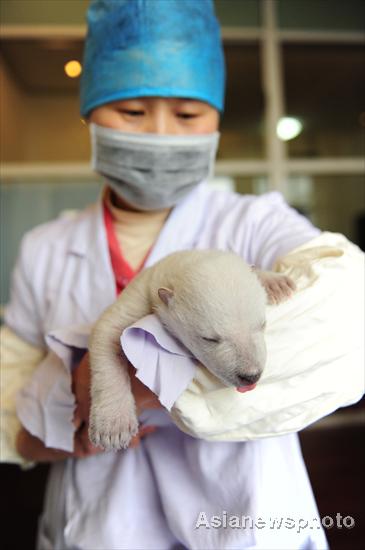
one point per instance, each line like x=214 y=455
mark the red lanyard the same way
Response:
x=123 y=273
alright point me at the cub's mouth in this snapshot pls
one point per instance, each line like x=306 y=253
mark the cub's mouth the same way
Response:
x=247 y=382
x=243 y=389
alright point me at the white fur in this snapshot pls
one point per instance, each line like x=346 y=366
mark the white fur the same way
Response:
x=199 y=296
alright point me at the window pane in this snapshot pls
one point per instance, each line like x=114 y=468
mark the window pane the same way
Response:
x=333 y=203
x=234 y=13
x=250 y=185
x=242 y=123
x=325 y=89
x=321 y=14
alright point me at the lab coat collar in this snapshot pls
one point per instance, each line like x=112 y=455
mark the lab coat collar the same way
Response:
x=89 y=232
x=180 y=230
x=94 y=286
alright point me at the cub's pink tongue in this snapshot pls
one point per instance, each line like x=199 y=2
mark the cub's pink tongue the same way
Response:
x=243 y=389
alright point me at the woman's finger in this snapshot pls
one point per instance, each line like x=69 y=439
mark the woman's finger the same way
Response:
x=81 y=388
x=77 y=420
x=136 y=440
x=144 y=397
x=82 y=437
x=146 y=430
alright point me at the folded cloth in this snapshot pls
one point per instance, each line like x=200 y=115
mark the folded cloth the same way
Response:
x=315 y=344
x=163 y=364
x=45 y=405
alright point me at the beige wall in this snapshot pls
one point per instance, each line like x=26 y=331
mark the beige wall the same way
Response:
x=12 y=113
x=39 y=128
x=55 y=130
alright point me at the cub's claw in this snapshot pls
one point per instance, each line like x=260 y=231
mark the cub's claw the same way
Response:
x=278 y=287
x=113 y=433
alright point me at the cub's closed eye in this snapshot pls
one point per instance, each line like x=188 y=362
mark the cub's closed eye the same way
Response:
x=214 y=340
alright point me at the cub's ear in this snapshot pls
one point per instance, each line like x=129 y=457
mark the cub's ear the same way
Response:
x=166 y=295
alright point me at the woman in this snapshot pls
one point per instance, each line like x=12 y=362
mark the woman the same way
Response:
x=154 y=70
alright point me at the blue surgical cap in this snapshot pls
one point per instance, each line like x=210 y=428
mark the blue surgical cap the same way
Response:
x=166 y=48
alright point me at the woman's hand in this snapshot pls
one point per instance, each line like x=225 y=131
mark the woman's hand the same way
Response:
x=81 y=380
x=33 y=449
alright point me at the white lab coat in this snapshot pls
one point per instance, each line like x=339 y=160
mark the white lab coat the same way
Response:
x=151 y=497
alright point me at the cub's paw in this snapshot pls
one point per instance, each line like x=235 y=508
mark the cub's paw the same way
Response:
x=113 y=432
x=278 y=287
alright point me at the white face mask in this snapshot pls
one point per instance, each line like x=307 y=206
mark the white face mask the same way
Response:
x=152 y=171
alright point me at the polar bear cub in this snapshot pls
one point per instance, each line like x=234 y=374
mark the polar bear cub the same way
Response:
x=211 y=301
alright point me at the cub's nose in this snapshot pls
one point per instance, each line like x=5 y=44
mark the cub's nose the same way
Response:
x=249 y=379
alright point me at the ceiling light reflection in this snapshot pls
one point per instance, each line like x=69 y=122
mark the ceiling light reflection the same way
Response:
x=73 y=68
x=288 y=128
